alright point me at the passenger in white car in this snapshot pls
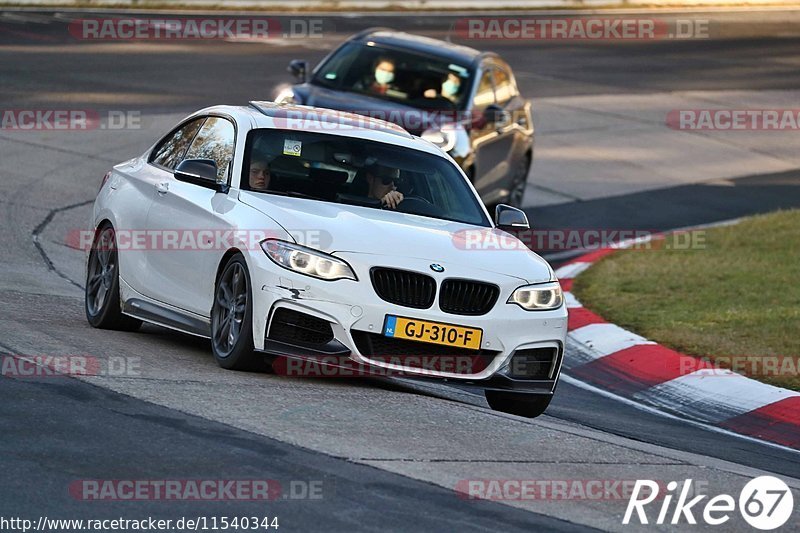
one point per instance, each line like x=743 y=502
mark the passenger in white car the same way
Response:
x=259 y=174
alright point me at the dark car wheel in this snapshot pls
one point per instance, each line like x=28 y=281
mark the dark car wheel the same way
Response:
x=232 y=319
x=518 y=403
x=101 y=296
x=519 y=182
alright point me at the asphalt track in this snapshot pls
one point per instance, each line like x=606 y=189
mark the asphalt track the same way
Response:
x=388 y=454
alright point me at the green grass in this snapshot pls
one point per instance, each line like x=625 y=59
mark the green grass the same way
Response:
x=736 y=295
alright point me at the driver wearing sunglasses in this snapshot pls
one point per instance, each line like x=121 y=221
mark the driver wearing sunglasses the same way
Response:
x=382 y=185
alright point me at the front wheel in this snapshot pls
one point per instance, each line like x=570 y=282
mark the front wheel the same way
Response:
x=232 y=318
x=518 y=403
x=519 y=182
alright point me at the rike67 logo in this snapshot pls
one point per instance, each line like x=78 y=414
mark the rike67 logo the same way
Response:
x=765 y=503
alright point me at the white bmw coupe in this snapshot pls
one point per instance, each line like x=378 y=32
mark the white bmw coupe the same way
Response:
x=302 y=235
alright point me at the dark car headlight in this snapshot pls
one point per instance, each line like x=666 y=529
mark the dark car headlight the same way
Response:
x=444 y=137
x=286 y=96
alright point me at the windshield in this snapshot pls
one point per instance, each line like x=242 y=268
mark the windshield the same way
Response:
x=354 y=171
x=401 y=76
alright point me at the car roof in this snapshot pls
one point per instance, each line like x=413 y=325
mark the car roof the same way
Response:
x=266 y=114
x=307 y=114
x=455 y=53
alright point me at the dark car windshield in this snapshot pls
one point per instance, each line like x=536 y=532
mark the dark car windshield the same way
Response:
x=354 y=171
x=417 y=80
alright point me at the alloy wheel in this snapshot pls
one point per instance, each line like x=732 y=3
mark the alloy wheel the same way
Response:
x=230 y=305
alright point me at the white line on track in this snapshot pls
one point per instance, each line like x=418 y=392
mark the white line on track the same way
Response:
x=652 y=410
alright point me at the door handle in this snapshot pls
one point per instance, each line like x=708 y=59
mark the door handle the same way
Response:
x=162 y=188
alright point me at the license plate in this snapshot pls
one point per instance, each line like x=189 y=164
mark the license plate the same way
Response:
x=434 y=332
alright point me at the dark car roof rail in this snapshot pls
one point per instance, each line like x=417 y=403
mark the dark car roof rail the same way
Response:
x=419 y=43
x=487 y=55
x=364 y=33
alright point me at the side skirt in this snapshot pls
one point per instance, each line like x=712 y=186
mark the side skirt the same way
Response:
x=144 y=308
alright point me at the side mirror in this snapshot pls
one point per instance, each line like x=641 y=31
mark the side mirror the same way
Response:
x=298 y=69
x=496 y=116
x=510 y=218
x=493 y=114
x=201 y=172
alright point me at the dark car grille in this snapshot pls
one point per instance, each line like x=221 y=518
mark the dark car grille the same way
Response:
x=533 y=363
x=293 y=327
x=421 y=354
x=403 y=287
x=466 y=297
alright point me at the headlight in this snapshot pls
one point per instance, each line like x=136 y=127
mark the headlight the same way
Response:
x=307 y=261
x=444 y=137
x=285 y=96
x=541 y=297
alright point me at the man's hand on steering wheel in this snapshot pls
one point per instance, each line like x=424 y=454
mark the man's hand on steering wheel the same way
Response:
x=392 y=199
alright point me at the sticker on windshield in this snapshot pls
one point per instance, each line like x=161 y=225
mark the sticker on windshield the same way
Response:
x=291 y=147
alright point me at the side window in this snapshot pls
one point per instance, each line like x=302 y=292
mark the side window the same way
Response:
x=504 y=86
x=484 y=95
x=169 y=152
x=215 y=141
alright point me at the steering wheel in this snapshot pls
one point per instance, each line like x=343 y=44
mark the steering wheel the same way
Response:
x=412 y=199
x=418 y=205
x=416 y=198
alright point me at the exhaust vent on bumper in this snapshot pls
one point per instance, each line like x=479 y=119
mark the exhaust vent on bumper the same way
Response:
x=533 y=363
x=294 y=327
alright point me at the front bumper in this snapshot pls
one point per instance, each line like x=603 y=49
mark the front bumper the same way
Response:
x=353 y=308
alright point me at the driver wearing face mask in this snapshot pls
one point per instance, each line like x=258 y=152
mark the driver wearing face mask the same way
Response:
x=384 y=76
x=451 y=86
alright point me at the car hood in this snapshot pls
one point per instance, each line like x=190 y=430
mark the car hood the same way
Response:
x=338 y=228
x=413 y=120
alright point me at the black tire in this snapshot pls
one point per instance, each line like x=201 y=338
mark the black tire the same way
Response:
x=232 y=319
x=470 y=172
x=519 y=182
x=101 y=295
x=518 y=403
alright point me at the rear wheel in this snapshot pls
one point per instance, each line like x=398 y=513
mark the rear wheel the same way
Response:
x=470 y=172
x=232 y=319
x=518 y=403
x=101 y=296
x=519 y=182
